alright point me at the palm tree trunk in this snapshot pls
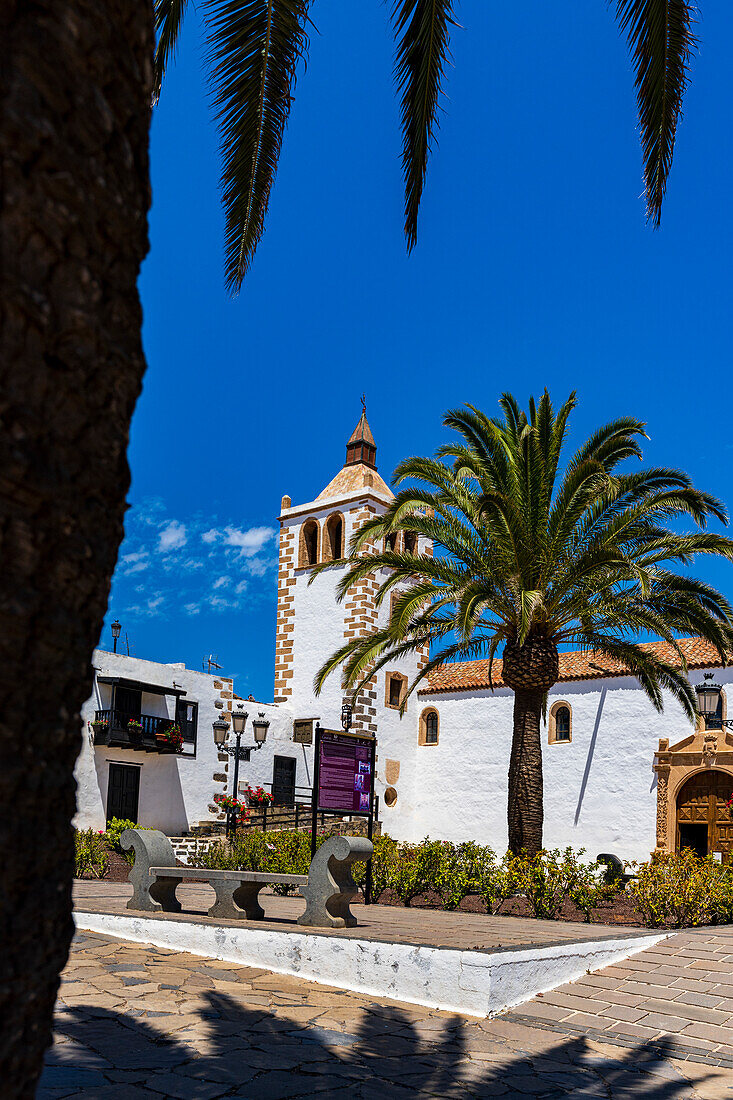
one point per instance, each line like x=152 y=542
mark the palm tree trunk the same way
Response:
x=75 y=89
x=525 y=809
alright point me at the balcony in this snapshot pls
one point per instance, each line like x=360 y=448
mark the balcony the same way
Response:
x=116 y=733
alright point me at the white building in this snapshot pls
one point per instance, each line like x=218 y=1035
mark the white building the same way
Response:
x=618 y=776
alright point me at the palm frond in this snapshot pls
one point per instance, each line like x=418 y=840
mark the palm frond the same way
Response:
x=168 y=15
x=661 y=43
x=422 y=29
x=254 y=50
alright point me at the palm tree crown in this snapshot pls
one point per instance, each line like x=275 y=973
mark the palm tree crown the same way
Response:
x=531 y=557
x=255 y=47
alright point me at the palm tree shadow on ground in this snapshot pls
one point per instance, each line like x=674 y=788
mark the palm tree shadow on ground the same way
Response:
x=251 y=1053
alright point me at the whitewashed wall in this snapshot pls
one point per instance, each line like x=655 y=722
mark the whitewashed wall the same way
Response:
x=599 y=790
x=175 y=790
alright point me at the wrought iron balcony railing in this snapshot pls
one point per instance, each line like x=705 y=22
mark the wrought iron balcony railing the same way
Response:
x=112 y=727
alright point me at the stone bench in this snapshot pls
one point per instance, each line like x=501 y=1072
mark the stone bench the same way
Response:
x=328 y=888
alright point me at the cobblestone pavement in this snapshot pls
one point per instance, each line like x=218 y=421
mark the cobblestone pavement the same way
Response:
x=136 y=1021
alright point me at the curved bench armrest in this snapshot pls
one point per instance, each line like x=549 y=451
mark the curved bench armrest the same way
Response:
x=152 y=849
x=330 y=885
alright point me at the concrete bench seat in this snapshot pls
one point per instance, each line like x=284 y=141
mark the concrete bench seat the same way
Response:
x=236 y=891
x=328 y=888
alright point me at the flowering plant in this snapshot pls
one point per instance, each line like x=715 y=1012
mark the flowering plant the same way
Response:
x=134 y=726
x=171 y=736
x=99 y=723
x=258 y=796
x=232 y=805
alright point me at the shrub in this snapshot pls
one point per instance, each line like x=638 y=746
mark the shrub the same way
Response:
x=465 y=869
x=91 y=858
x=115 y=829
x=383 y=860
x=417 y=869
x=680 y=889
x=549 y=877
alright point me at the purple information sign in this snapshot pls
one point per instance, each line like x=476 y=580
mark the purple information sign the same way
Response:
x=345 y=773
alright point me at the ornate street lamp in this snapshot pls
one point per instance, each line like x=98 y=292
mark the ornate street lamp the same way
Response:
x=708 y=699
x=260 y=726
x=116 y=631
x=221 y=729
x=238 y=751
x=346 y=712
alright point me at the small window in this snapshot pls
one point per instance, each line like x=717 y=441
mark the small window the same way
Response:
x=309 y=543
x=429 y=732
x=390 y=542
x=396 y=686
x=560 y=723
x=410 y=542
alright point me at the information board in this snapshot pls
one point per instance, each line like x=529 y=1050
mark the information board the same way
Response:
x=345 y=763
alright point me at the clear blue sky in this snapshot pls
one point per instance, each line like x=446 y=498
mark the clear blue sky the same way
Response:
x=534 y=267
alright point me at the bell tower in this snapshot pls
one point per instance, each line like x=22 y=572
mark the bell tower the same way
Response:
x=311 y=624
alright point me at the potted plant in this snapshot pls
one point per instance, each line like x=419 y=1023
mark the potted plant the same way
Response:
x=100 y=727
x=258 y=796
x=231 y=805
x=169 y=739
x=135 y=728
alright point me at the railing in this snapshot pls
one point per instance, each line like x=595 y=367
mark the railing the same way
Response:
x=117 y=730
x=296 y=814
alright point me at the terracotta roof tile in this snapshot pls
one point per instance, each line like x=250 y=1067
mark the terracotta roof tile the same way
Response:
x=574 y=665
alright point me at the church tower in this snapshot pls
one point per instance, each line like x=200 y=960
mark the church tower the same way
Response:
x=311 y=624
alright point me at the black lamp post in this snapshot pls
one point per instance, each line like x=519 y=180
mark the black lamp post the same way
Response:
x=116 y=630
x=221 y=729
x=346 y=711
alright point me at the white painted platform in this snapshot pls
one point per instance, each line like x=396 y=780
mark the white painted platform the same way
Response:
x=474 y=983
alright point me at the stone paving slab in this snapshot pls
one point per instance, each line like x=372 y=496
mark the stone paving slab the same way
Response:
x=203 y=1029
x=654 y=996
x=434 y=928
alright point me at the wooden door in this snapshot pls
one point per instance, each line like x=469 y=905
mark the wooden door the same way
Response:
x=701 y=804
x=123 y=790
x=283 y=780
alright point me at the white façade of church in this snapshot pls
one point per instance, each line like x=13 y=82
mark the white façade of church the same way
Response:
x=618 y=776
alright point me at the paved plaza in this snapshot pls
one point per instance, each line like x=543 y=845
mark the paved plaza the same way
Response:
x=135 y=1021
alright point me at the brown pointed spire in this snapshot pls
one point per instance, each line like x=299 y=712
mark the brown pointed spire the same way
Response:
x=361 y=446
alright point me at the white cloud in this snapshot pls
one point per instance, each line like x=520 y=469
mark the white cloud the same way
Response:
x=222 y=582
x=210 y=536
x=256 y=567
x=241 y=587
x=172 y=536
x=192 y=608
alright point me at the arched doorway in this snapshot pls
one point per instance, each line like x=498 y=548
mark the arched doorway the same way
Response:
x=704 y=821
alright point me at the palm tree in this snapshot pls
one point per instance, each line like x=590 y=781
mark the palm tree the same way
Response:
x=75 y=92
x=254 y=50
x=530 y=558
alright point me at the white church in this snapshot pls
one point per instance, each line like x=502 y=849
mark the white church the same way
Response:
x=618 y=776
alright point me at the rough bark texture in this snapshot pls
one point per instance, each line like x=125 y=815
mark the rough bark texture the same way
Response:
x=75 y=82
x=530 y=670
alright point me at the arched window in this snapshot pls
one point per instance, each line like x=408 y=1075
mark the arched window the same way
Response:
x=429 y=731
x=308 y=543
x=390 y=541
x=560 y=723
x=333 y=547
x=410 y=538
